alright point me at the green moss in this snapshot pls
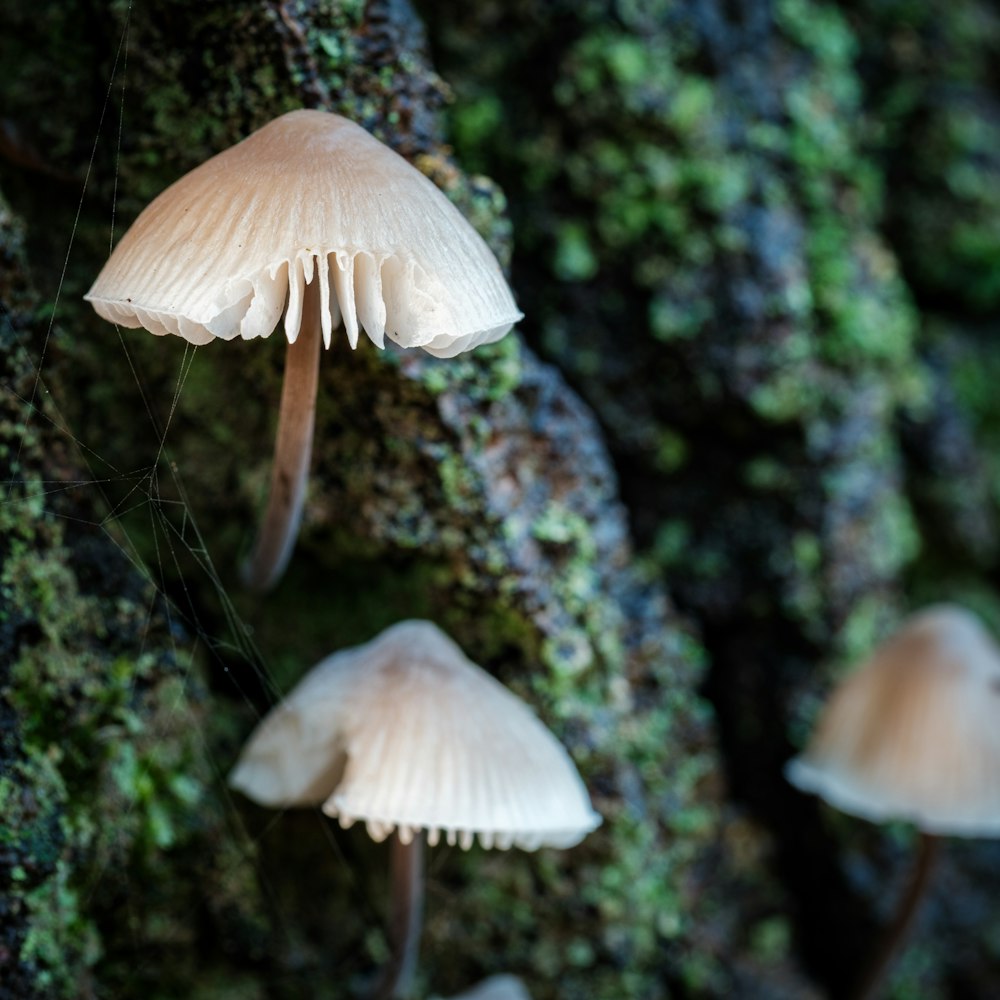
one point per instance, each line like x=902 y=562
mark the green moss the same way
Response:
x=727 y=218
x=95 y=779
x=940 y=120
x=973 y=372
x=468 y=491
x=574 y=258
x=103 y=765
x=484 y=382
x=472 y=123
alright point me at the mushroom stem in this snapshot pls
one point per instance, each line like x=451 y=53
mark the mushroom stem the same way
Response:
x=406 y=918
x=894 y=934
x=292 y=451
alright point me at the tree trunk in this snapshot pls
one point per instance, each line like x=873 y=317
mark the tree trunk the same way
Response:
x=758 y=241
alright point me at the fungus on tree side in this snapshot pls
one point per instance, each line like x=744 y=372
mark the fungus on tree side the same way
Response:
x=312 y=218
x=912 y=735
x=408 y=736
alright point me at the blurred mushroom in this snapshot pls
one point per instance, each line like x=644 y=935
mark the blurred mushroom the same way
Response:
x=406 y=734
x=912 y=735
x=496 y=988
x=312 y=217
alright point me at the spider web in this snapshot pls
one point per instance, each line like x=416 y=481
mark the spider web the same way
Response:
x=177 y=540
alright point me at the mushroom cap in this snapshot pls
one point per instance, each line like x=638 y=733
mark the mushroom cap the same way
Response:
x=405 y=732
x=914 y=733
x=501 y=987
x=310 y=196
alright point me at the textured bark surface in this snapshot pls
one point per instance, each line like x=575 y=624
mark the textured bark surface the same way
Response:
x=757 y=255
x=740 y=234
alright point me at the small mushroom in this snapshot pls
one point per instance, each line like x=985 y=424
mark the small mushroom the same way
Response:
x=503 y=987
x=313 y=218
x=912 y=735
x=407 y=735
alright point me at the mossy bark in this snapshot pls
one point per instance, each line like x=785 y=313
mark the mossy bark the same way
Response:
x=761 y=241
x=715 y=245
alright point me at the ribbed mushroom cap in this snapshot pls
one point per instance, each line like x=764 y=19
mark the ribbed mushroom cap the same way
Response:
x=310 y=196
x=914 y=733
x=405 y=732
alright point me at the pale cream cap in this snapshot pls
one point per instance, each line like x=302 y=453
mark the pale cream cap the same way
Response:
x=502 y=987
x=914 y=733
x=311 y=196
x=406 y=733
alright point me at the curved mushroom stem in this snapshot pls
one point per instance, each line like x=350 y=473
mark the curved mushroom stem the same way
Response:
x=893 y=935
x=407 y=913
x=292 y=451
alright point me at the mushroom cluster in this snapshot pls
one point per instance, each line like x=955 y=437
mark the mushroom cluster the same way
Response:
x=310 y=223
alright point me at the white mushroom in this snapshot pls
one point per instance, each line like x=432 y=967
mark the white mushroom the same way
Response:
x=912 y=735
x=407 y=735
x=313 y=218
x=502 y=987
